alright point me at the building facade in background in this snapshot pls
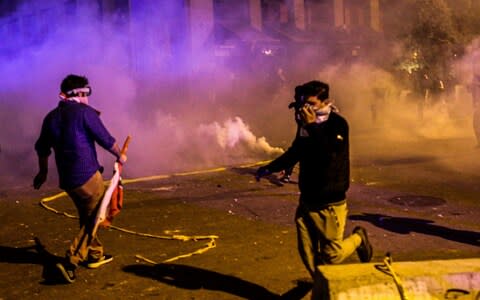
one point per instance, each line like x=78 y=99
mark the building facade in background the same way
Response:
x=183 y=28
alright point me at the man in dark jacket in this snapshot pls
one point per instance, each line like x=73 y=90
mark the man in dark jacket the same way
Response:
x=322 y=149
x=71 y=130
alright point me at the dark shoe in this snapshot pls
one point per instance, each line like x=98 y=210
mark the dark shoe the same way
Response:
x=100 y=262
x=364 y=251
x=67 y=270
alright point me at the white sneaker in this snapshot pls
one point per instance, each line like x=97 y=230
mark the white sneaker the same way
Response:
x=98 y=263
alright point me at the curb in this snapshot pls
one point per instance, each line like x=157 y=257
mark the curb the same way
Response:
x=422 y=280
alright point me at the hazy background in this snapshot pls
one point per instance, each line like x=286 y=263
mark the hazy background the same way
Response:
x=199 y=112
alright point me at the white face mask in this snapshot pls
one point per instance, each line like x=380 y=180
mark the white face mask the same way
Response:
x=78 y=99
x=324 y=110
x=83 y=100
x=323 y=113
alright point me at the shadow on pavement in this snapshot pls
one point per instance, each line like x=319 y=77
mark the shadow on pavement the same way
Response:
x=193 y=278
x=406 y=225
x=36 y=254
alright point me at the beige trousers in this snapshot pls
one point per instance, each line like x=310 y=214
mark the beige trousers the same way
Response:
x=320 y=236
x=86 y=198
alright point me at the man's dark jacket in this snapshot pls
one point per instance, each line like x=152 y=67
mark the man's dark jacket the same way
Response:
x=72 y=129
x=324 y=162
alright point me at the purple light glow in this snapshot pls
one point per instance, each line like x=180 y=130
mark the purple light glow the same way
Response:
x=177 y=83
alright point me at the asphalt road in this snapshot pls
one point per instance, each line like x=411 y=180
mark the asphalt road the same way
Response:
x=418 y=202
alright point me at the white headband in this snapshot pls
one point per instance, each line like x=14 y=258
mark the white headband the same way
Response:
x=87 y=90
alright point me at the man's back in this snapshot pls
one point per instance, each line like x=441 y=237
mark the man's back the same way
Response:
x=72 y=129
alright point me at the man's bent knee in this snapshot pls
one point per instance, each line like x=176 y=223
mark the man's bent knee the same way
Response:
x=331 y=256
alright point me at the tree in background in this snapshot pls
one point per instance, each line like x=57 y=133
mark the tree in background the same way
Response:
x=429 y=32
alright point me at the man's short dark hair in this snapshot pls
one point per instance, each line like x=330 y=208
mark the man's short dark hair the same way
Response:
x=316 y=88
x=73 y=82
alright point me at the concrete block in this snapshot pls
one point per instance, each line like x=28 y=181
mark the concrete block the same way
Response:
x=420 y=280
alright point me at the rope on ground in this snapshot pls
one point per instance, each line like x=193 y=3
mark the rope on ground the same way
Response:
x=55 y=197
x=211 y=238
x=221 y=169
x=387 y=268
x=211 y=244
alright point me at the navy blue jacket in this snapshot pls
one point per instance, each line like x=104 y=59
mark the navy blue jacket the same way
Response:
x=72 y=129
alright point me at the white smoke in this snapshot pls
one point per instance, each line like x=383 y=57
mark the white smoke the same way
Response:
x=234 y=134
x=146 y=96
x=173 y=145
x=356 y=90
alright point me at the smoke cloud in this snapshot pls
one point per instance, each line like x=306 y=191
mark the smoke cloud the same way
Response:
x=192 y=111
x=180 y=116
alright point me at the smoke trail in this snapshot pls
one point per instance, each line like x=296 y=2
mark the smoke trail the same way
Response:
x=235 y=134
